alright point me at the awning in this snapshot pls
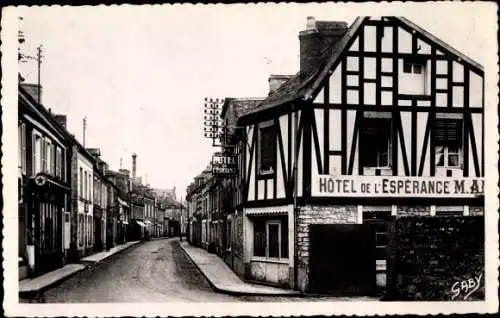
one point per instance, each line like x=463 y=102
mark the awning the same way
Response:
x=125 y=222
x=122 y=202
x=140 y=223
x=148 y=222
x=266 y=211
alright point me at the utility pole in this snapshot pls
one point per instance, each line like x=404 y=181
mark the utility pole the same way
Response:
x=84 y=129
x=39 y=60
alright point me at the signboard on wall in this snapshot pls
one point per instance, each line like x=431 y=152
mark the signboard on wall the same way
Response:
x=224 y=164
x=396 y=186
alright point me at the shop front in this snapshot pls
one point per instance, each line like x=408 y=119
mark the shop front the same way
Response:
x=269 y=239
x=46 y=200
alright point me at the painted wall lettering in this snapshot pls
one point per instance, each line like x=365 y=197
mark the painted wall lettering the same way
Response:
x=326 y=185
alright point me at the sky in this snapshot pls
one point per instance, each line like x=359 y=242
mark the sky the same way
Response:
x=139 y=74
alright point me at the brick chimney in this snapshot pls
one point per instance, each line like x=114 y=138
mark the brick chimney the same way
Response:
x=61 y=120
x=275 y=81
x=318 y=37
x=134 y=165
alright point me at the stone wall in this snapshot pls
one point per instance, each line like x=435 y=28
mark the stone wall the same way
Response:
x=476 y=210
x=235 y=258
x=404 y=210
x=431 y=257
x=334 y=214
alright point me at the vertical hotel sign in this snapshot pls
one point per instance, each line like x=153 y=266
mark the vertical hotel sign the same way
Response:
x=396 y=186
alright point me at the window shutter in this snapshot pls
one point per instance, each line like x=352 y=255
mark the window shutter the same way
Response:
x=448 y=130
x=23 y=148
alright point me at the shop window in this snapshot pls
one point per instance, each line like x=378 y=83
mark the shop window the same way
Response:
x=376 y=142
x=271 y=238
x=267 y=149
x=448 y=142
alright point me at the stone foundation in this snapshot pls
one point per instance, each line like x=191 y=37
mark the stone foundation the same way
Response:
x=335 y=214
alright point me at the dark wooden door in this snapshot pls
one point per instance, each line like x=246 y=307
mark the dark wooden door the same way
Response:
x=342 y=259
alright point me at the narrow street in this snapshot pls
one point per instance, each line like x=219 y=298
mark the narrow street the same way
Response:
x=155 y=271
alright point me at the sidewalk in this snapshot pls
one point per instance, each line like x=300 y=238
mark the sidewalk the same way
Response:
x=99 y=257
x=223 y=279
x=38 y=284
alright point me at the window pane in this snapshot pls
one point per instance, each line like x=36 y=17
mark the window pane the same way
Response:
x=439 y=159
x=284 y=238
x=453 y=160
x=407 y=67
x=417 y=68
x=259 y=240
x=273 y=240
x=375 y=142
x=267 y=148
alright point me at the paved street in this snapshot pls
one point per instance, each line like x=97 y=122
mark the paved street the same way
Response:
x=155 y=271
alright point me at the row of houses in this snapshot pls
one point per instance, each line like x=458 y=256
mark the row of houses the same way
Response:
x=362 y=174
x=70 y=203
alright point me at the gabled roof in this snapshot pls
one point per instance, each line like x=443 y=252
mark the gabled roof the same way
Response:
x=27 y=91
x=302 y=86
x=307 y=86
x=239 y=106
x=439 y=42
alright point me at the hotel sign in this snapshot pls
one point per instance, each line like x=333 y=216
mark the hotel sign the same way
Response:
x=224 y=164
x=396 y=186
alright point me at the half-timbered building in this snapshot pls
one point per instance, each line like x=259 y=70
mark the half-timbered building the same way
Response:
x=382 y=125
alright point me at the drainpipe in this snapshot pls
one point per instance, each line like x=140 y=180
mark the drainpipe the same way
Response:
x=295 y=192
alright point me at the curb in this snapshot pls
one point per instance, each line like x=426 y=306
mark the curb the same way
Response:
x=37 y=293
x=233 y=292
x=88 y=264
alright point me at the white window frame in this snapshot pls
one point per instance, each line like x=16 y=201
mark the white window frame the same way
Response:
x=22 y=147
x=424 y=74
x=412 y=67
x=446 y=152
x=80 y=183
x=58 y=152
x=267 y=257
x=278 y=223
x=446 y=148
x=37 y=152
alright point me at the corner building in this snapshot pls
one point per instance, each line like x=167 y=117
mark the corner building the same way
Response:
x=363 y=173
